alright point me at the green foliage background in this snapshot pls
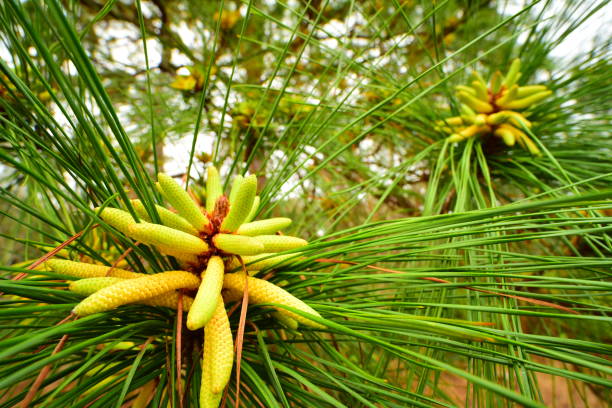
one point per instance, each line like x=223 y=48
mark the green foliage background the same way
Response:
x=332 y=104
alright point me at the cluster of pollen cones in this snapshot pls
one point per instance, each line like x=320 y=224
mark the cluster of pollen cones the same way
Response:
x=208 y=243
x=498 y=109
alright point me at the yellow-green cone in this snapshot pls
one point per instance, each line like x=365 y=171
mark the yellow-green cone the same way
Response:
x=474 y=103
x=261 y=291
x=279 y=243
x=208 y=295
x=532 y=147
x=87 y=270
x=506 y=135
x=119 y=219
x=135 y=290
x=496 y=82
x=167 y=217
x=526 y=102
x=155 y=234
x=455 y=138
x=141 y=210
x=214 y=188
x=467 y=113
x=182 y=202
x=508 y=116
x=452 y=121
x=208 y=399
x=242 y=205
x=264 y=227
x=89 y=286
x=219 y=334
x=529 y=90
x=475 y=76
x=523 y=139
x=508 y=96
x=237 y=244
x=254 y=209
x=235 y=188
x=513 y=73
x=468 y=89
x=481 y=90
x=169 y=300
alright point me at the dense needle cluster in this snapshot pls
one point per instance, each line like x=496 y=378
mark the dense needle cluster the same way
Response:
x=498 y=109
x=207 y=242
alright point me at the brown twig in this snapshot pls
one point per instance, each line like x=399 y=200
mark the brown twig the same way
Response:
x=121 y=258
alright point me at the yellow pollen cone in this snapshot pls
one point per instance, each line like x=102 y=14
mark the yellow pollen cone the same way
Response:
x=235 y=188
x=464 y=88
x=526 y=102
x=156 y=234
x=253 y=211
x=241 y=207
x=480 y=119
x=481 y=91
x=508 y=95
x=473 y=131
x=264 y=227
x=89 y=286
x=279 y=243
x=496 y=82
x=506 y=135
x=523 y=139
x=119 y=219
x=475 y=76
x=167 y=217
x=528 y=90
x=513 y=73
x=182 y=202
x=87 y=270
x=237 y=244
x=208 y=399
x=261 y=291
x=455 y=138
x=452 y=121
x=508 y=116
x=135 y=290
x=532 y=147
x=219 y=334
x=467 y=113
x=214 y=188
x=169 y=300
x=474 y=103
x=208 y=295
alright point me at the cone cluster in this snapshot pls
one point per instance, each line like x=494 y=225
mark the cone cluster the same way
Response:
x=499 y=108
x=208 y=242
